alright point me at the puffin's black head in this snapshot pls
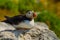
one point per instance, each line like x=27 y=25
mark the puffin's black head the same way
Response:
x=30 y=14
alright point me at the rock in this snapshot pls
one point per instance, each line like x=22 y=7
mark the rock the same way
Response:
x=5 y=26
x=42 y=25
x=38 y=32
x=7 y=35
x=24 y=37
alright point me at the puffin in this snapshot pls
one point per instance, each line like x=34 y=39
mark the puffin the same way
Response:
x=27 y=18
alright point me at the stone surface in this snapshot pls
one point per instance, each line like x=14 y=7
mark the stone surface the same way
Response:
x=7 y=35
x=39 y=32
x=5 y=26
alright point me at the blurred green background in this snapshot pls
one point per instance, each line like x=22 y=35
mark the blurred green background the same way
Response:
x=48 y=11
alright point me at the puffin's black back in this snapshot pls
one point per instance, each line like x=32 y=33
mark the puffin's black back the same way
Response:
x=16 y=19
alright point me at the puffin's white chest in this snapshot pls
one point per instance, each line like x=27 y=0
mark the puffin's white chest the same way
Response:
x=30 y=22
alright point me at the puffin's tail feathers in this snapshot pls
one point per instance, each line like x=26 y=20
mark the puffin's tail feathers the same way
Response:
x=7 y=17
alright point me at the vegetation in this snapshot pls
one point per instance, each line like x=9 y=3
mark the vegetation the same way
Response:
x=9 y=5
x=44 y=15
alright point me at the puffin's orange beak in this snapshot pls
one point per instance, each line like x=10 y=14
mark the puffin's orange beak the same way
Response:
x=34 y=15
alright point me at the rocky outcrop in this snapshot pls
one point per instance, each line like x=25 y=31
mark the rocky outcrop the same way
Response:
x=7 y=35
x=39 y=32
x=4 y=26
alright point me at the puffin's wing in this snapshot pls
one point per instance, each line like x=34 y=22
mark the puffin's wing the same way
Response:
x=14 y=20
x=19 y=17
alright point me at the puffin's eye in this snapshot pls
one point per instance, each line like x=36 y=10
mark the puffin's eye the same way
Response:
x=29 y=12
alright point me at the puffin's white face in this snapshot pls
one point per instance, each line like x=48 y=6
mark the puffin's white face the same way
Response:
x=30 y=14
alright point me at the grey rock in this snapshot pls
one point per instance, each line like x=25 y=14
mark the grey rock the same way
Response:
x=7 y=35
x=5 y=26
x=38 y=32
